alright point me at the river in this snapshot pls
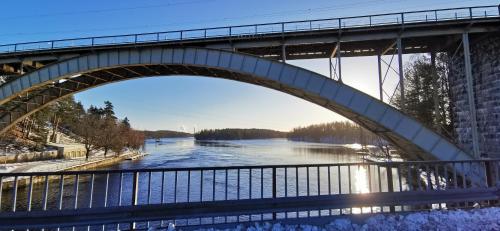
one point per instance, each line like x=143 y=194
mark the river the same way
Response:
x=186 y=152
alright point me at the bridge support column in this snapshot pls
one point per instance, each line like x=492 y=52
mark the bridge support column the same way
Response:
x=380 y=83
x=283 y=53
x=339 y=61
x=21 y=68
x=335 y=70
x=401 y=72
x=470 y=95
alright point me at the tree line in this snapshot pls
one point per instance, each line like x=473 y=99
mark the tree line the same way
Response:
x=334 y=132
x=97 y=128
x=165 y=134
x=237 y=134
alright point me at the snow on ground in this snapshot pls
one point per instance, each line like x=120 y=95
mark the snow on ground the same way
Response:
x=475 y=219
x=51 y=165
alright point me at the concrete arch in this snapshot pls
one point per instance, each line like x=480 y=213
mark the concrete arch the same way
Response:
x=32 y=91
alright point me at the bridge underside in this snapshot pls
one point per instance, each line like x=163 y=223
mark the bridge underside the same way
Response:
x=31 y=92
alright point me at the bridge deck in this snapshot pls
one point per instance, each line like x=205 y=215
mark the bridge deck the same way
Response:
x=360 y=36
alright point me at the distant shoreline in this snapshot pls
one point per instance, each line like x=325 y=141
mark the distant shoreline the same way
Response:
x=166 y=134
x=238 y=134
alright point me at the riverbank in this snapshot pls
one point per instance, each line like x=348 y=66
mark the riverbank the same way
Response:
x=61 y=165
x=95 y=161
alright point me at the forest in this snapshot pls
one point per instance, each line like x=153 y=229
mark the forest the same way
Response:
x=334 y=133
x=165 y=134
x=97 y=128
x=238 y=134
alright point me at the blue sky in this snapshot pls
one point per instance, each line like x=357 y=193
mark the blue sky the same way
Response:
x=186 y=103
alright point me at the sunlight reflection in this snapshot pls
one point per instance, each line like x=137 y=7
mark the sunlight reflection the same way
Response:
x=361 y=180
x=361 y=184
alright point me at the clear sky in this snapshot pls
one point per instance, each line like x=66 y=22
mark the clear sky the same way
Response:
x=186 y=103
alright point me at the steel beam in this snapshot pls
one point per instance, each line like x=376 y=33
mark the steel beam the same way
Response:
x=283 y=53
x=339 y=61
x=338 y=64
x=380 y=83
x=470 y=95
x=401 y=72
x=330 y=67
x=386 y=50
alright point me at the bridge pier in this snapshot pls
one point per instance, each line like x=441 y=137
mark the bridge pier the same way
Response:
x=474 y=82
x=470 y=94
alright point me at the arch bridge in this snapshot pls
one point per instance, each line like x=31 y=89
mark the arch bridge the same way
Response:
x=38 y=73
x=43 y=72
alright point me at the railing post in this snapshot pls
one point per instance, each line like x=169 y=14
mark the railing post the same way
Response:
x=30 y=194
x=1 y=189
x=45 y=193
x=14 y=194
x=402 y=19
x=488 y=181
x=274 y=189
x=135 y=192
x=135 y=188
x=390 y=185
x=470 y=12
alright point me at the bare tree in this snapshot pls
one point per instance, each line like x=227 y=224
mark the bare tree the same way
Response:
x=109 y=135
x=88 y=130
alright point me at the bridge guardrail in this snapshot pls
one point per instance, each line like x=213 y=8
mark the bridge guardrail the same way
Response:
x=122 y=198
x=113 y=188
x=437 y=15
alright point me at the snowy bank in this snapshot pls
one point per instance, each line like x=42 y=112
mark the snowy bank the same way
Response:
x=475 y=219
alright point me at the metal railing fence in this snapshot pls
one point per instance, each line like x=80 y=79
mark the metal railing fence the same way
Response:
x=42 y=191
x=402 y=18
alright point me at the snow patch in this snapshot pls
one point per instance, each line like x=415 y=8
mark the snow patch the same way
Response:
x=475 y=219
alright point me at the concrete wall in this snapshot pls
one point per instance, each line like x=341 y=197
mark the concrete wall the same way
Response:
x=485 y=59
x=30 y=156
x=69 y=151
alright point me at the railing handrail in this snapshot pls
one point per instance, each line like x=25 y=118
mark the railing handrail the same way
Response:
x=283 y=23
x=218 y=168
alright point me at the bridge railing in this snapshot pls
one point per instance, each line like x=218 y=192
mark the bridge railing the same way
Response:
x=117 y=199
x=466 y=13
x=41 y=191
